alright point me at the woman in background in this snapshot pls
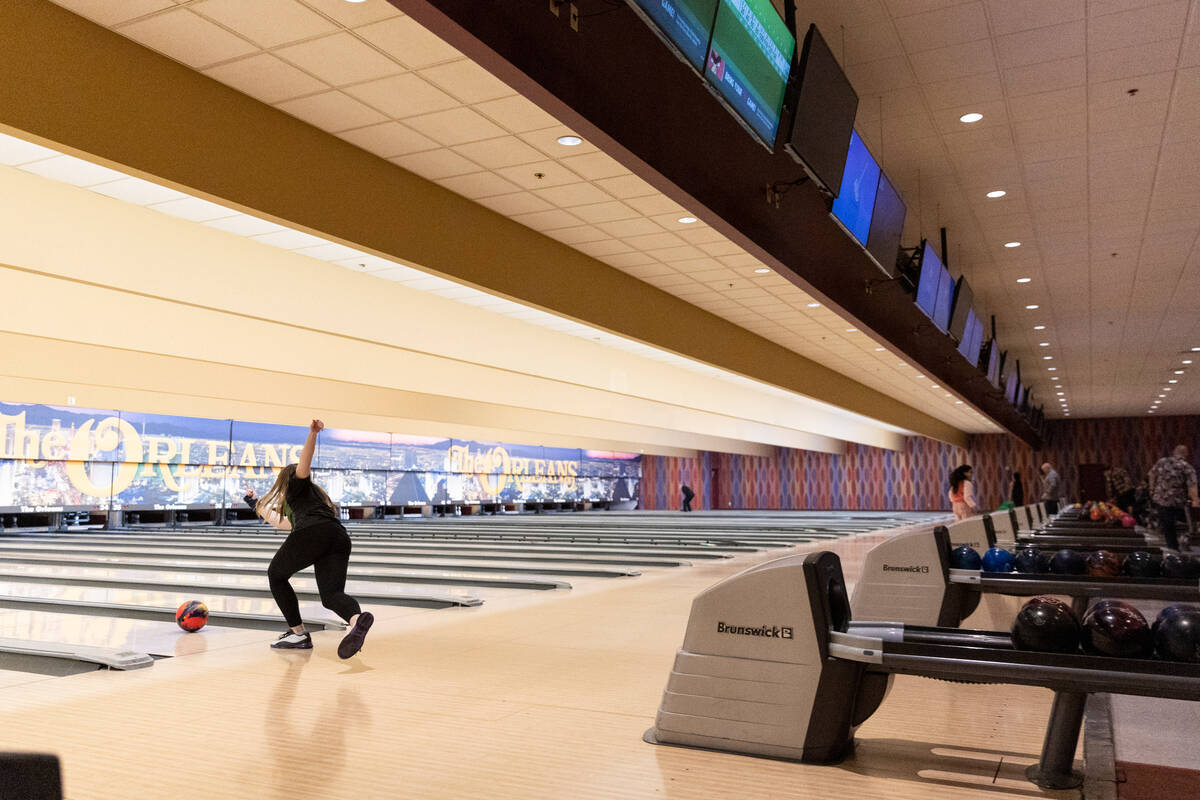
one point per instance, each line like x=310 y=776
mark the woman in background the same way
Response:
x=962 y=494
x=316 y=539
x=1017 y=490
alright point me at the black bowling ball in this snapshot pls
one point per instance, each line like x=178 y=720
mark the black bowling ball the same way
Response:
x=1115 y=628
x=1177 y=634
x=1068 y=562
x=1141 y=564
x=1180 y=566
x=1030 y=561
x=1046 y=624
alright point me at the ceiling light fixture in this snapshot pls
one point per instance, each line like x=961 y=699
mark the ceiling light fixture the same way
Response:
x=1196 y=349
x=1178 y=372
x=972 y=117
x=1172 y=381
x=1032 y=307
x=996 y=193
x=1186 y=361
x=687 y=220
x=1039 y=327
x=565 y=141
x=1024 y=280
x=761 y=271
x=1012 y=244
x=814 y=305
x=1043 y=344
x=851 y=330
x=1047 y=358
x=878 y=349
x=935 y=386
x=1051 y=369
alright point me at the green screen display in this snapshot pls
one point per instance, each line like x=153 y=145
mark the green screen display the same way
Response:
x=685 y=23
x=749 y=62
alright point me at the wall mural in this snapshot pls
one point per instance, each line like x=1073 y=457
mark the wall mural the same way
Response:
x=62 y=457
x=871 y=478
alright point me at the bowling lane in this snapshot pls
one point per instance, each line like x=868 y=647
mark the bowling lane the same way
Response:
x=141 y=636
x=258 y=579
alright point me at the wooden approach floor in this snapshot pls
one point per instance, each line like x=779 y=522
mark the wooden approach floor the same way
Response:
x=538 y=696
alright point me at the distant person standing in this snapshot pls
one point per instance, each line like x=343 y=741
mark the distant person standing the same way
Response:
x=1016 y=490
x=1051 y=488
x=1172 y=485
x=962 y=493
x=688 y=494
x=1119 y=488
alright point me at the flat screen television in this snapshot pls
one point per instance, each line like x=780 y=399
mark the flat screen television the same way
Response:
x=972 y=339
x=856 y=200
x=993 y=362
x=1010 y=387
x=685 y=25
x=887 y=226
x=961 y=308
x=1022 y=393
x=825 y=105
x=749 y=62
x=945 y=296
x=927 y=283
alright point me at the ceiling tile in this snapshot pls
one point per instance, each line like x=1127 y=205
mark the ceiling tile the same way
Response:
x=1137 y=26
x=943 y=27
x=1053 y=43
x=604 y=212
x=408 y=42
x=331 y=111
x=436 y=164
x=478 y=184
x=1130 y=62
x=629 y=228
x=388 y=139
x=872 y=42
x=107 y=12
x=982 y=88
x=882 y=76
x=626 y=187
x=506 y=151
x=516 y=113
x=548 y=220
x=1010 y=16
x=402 y=96
x=187 y=37
x=539 y=175
x=456 y=126
x=654 y=204
x=267 y=23
x=516 y=203
x=266 y=78
x=596 y=165
x=467 y=81
x=339 y=59
x=353 y=14
x=1045 y=77
x=573 y=194
x=586 y=233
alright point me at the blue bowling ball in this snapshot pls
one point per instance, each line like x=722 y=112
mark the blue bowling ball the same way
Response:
x=997 y=559
x=963 y=557
x=1068 y=562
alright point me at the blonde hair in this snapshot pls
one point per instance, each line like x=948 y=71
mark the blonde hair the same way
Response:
x=274 y=499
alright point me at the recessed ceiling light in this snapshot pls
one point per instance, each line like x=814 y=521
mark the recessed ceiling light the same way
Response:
x=687 y=220
x=1172 y=381
x=851 y=330
x=878 y=349
x=972 y=117
x=1053 y=377
x=949 y=395
x=919 y=377
x=935 y=386
x=1162 y=395
x=996 y=193
x=1178 y=372
x=761 y=271
x=1039 y=327
x=1043 y=344
x=1060 y=394
x=1186 y=361
x=1047 y=358
x=1051 y=369
x=1024 y=280
x=1196 y=349
x=565 y=141
x=958 y=402
x=1166 y=388
x=1031 y=308
x=814 y=305
x=1012 y=244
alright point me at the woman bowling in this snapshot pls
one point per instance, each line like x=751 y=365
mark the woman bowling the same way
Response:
x=962 y=493
x=317 y=539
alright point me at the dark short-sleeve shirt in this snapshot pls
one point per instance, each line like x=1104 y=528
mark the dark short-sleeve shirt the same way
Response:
x=304 y=506
x=1172 y=479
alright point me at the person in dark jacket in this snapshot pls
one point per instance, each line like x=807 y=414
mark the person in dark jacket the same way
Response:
x=1016 y=491
x=316 y=538
x=688 y=494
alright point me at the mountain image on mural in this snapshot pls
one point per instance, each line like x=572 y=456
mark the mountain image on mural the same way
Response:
x=56 y=456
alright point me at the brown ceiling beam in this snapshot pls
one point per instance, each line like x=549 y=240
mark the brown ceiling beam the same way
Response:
x=626 y=92
x=84 y=87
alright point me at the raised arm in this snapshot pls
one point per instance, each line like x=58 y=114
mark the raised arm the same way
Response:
x=304 y=467
x=277 y=521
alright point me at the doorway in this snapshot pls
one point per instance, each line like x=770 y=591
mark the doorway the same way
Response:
x=1091 y=482
x=714 y=487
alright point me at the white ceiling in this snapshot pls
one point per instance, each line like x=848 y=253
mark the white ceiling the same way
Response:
x=374 y=77
x=1103 y=186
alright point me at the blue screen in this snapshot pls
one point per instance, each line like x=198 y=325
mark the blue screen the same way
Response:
x=972 y=338
x=927 y=286
x=993 y=370
x=684 y=23
x=856 y=200
x=945 y=296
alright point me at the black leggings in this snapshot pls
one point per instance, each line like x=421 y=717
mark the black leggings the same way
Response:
x=325 y=546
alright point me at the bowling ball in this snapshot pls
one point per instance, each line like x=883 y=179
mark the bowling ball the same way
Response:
x=1115 y=628
x=1068 y=562
x=1180 y=566
x=1177 y=634
x=1141 y=564
x=192 y=615
x=997 y=559
x=963 y=557
x=1127 y=521
x=1095 y=513
x=1103 y=564
x=1030 y=561
x=1046 y=624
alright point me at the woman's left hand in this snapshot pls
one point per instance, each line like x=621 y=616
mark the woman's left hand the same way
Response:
x=317 y=426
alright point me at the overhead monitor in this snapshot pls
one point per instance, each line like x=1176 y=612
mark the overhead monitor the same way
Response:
x=993 y=362
x=685 y=25
x=825 y=106
x=945 y=296
x=931 y=275
x=1010 y=387
x=972 y=338
x=749 y=62
x=856 y=200
x=1022 y=393
x=961 y=307
x=887 y=225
